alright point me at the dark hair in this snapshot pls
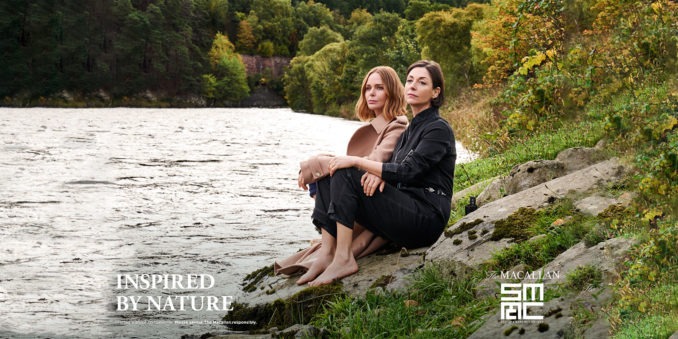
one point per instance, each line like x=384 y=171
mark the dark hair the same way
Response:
x=437 y=78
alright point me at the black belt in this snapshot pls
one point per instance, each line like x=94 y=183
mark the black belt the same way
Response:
x=428 y=189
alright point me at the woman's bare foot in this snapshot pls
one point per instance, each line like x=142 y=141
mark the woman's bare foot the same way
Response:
x=318 y=266
x=339 y=268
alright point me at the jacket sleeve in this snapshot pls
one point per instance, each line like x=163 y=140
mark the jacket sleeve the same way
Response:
x=383 y=150
x=315 y=168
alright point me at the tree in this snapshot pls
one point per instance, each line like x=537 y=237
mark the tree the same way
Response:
x=246 y=40
x=368 y=46
x=445 y=36
x=323 y=71
x=296 y=85
x=228 y=80
x=211 y=16
x=312 y=14
x=273 y=20
x=405 y=49
x=316 y=38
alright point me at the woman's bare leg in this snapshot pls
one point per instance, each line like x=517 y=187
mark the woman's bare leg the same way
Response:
x=344 y=263
x=361 y=241
x=375 y=244
x=324 y=258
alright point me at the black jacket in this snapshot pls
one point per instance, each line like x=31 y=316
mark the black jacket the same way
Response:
x=424 y=159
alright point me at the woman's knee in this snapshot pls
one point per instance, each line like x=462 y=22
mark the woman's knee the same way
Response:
x=351 y=174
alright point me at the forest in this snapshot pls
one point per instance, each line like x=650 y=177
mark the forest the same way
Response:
x=187 y=52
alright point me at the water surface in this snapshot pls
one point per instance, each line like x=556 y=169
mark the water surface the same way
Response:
x=87 y=195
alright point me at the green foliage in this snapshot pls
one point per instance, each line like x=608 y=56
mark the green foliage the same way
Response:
x=312 y=14
x=316 y=38
x=436 y=305
x=366 y=49
x=272 y=23
x=646 y=301
x=323 y=72
x=228 y=81
x=583 y=277
x=297 y=92
x=405 y=49
x=445 y=36
x=545 y=144
x=538 y=252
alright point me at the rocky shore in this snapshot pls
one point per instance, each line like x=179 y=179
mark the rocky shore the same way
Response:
x=581 y=175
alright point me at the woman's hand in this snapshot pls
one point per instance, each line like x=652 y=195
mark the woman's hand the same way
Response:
x=340 y=162
x=301 y=182
x=371 y=182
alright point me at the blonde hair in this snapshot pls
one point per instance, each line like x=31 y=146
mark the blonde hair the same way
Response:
x=395 y=95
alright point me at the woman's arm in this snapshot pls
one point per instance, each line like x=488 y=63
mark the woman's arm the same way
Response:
x=313 y=169
x=364 y=164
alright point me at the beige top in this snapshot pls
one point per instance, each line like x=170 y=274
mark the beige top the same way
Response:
x=375 y=141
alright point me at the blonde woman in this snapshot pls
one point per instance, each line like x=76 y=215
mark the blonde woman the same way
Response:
x=382 y=103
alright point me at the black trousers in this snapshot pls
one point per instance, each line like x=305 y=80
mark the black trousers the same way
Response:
x=400 y=216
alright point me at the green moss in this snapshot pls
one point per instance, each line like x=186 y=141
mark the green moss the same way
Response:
x=382 y=281
x=457 y=242
x=484 y=231
x=251 y=280
x=508 y=331
x=551 y=312
x=297 y=309
x=598 y=234
x=472 y=236
x=543 y=327
x=465 y=226
x=516 y=226
x=583 y=277
x=613 y=212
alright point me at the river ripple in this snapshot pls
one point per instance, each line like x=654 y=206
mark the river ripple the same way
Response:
x=89 y=194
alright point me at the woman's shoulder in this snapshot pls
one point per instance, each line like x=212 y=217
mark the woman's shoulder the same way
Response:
x=439 y=125
x=400 y=122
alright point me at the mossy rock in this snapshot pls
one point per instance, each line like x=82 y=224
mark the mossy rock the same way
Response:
x=465 y=226
x=297 y=309
x=253 y=279
x=516 y=226
x=382 y=281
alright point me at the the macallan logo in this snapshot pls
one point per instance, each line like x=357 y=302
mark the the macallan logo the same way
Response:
x=523 y=301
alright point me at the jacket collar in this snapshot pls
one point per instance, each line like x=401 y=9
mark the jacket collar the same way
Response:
x=379 y=123
x=426 y=114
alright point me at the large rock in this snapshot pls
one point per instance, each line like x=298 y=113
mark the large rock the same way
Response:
x=580 y=157
x=459 y=246
x=376 y=271
x=533 y=173
x=536 y=172
x=461 y=197
x=559 y=313
x=494 y=191
x=466 y=244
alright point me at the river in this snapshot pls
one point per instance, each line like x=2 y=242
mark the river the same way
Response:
x=92 y=197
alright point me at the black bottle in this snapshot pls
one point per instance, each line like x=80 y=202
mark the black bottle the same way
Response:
x=471 y=205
